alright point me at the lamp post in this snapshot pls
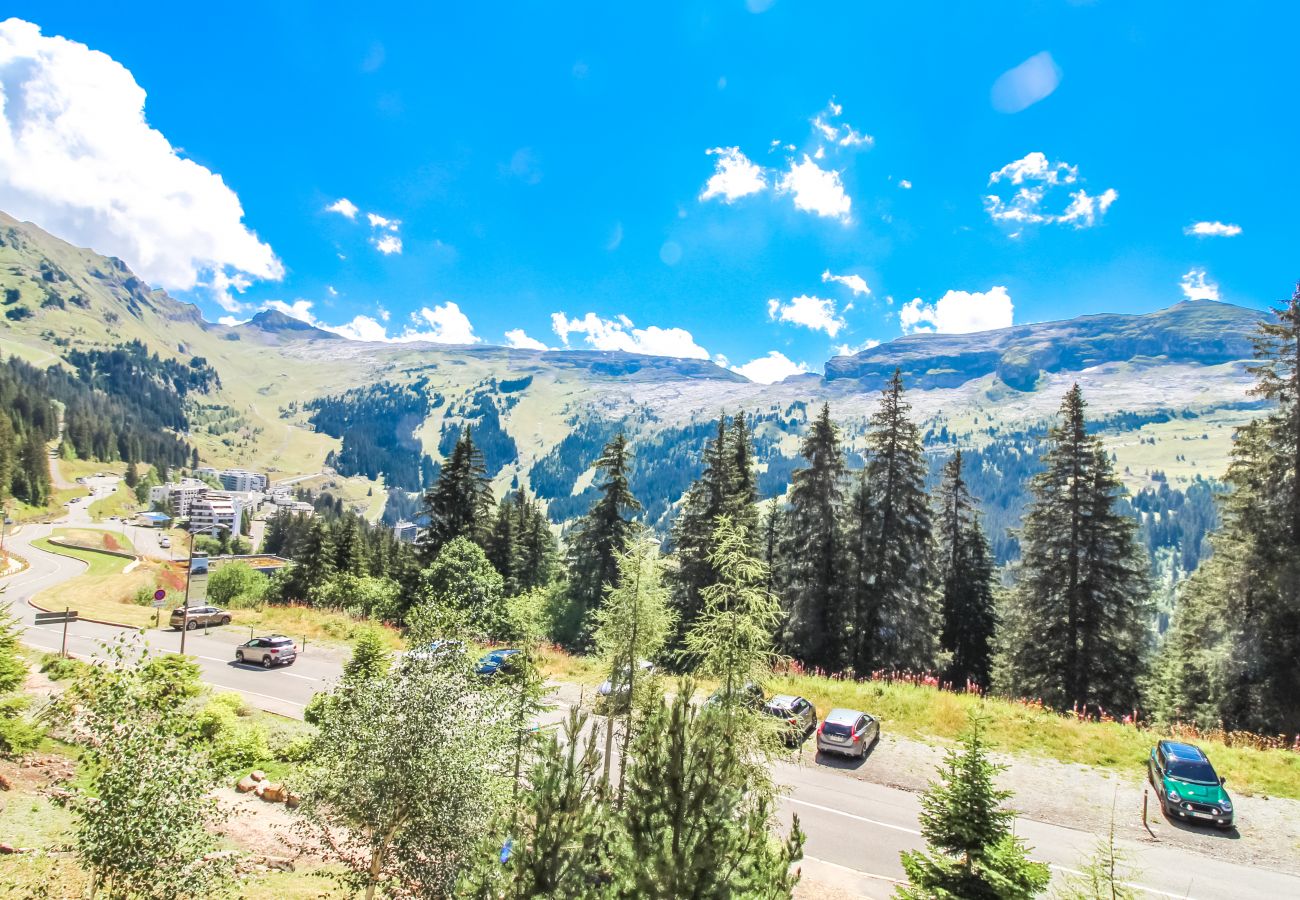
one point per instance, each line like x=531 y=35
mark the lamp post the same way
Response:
x=189 y=572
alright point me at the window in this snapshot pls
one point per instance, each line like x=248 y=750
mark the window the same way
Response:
x=799 y=705
x=861 y=726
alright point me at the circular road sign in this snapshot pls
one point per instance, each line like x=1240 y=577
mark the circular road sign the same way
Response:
x=160 y=594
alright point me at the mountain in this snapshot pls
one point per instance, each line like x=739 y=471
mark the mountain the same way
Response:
x=1167 y=390
x=1204 y=332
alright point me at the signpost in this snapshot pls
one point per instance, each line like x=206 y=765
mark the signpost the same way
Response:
x=55 y=618
x=159 y=601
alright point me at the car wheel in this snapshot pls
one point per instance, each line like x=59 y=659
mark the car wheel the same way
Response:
x=191 y=625
x=225 y=620
x=266 y=662
x=239 y=656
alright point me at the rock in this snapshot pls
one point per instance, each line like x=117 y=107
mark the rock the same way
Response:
x=4 y=783
x=9 y=848
x=292 y=801
x=278 y=863
x=257 y=775
x=245 y=785
x=272 y=792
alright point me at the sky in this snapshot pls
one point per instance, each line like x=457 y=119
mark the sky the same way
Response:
x=765 y=183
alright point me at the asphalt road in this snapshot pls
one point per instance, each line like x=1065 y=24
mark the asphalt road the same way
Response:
x=855 y=828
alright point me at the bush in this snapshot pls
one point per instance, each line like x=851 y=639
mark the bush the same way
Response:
x=237 y=585
x=315 y=709
x=232 y=742
x=57 y=668
x=18 y=734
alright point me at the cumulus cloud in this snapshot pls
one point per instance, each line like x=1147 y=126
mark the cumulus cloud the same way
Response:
x=378 y=221
x=816 y=190
x=771 y=368
x=905 y=184
x=856 y=283
x=231 y=320
x=1033 y=178
x=518 y=339
x=848 y=350
x=387 y=244
x=734 y=176
x=1212 y=229
x=958 y=312
x=221 y=285
x=1196 y=286
x=808 y=311
x=441 y=324
x=621 y=334
x=78 y=157
x=344 y=207
x=840 y=134
x=1033 y=80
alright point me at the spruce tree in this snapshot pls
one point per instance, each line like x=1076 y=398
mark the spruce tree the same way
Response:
x=896 y=613
x=598 y=540
x=740 y=501
x=460 y=501
x=815 y=632
x=502 y=541
x=692 y=533
x=972 y=852
x=966 y=581
x=1079 y=620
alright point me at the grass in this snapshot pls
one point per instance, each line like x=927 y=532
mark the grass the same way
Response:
x=95 y=539
x=103 y=591
x=314 y=625
x=121 y=502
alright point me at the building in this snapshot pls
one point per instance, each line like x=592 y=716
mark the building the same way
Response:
x=406 y=532
x=152 y=520
x=215 y=511
x=178 y=496
x=242 y=480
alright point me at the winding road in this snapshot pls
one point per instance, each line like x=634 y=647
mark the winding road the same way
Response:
x=855 y=829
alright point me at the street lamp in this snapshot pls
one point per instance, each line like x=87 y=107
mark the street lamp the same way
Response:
x=189 y=572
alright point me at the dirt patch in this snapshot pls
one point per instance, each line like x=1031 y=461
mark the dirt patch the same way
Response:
x=261 y=828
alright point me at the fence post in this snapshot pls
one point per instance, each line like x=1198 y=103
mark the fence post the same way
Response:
x=63 y=651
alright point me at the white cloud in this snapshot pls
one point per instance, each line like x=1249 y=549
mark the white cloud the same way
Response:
x=621 y=334
x=734 y=177
x=1033 y=80
x=847 y=350
x=378 y=221
x=78 y=157
x=830 y=132
x=517 y=339
x=344 y=207
x=905 y=184
x=231 y=320
x=843 y=135
x=1196 y=286
x=816 y=190
x=856 y=283
x=771 y=368
x=1035 y=176
x=443 y=324
x=958 y=312
x=1212 y=229
x=221 y=286
x=810 y=312
x=331 y=290
x=388 y=244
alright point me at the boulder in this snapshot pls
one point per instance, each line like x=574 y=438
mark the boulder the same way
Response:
x=292 y=801
x=257 y=775
x=245 y=784
x=272 y=792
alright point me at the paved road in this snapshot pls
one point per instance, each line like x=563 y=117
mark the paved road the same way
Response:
x=855 y=828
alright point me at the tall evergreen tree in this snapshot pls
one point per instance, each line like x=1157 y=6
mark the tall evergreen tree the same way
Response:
x=1079 y=620
x=599 y=539
x=966 y=581
x=741 y=499
x=895 y=609
x=816 y=630
x=1230 y=657
x=460 y=502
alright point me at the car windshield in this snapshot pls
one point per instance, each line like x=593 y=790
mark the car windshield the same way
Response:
x=1197 y=771
x=840 y=729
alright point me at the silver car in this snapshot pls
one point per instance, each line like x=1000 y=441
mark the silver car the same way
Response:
x=800 y=716
x=849 y=732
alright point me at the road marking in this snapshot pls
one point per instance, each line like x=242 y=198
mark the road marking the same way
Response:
x=840 y=812
x=835 y=865
x=240 y=690
x=1128 y=884
x=254 y=667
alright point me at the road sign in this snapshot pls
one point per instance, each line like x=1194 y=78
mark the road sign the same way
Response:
x=160 y=594
x=56 y=618
x=158 y=604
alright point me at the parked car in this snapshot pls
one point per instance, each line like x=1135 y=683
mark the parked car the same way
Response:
x=748 y=694
x=607 y=696
x=499 y=662
x=800 y=716
x=1187 y=785
x=271 y=650
x=849 y=732
x=199 y=616
x=165 y=542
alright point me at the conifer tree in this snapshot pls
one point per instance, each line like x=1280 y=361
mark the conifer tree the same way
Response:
x=814 y=560
x=502 y=542
x=966 y=581
x=972 y=852
x=692 y=532
x=1230 y=656
x=536 y=550
x=598 y=540
x=741 y=499
x=1078 y=622
x=896 y=613
x=460 y=501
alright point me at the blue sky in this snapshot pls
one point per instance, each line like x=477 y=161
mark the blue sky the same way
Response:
x=542 y=159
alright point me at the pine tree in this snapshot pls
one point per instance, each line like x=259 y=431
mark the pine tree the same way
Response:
x=598 y=540
x=816 y=631
x=502 y=544
x=966 y=580
x=741 y=499
x=460 y=502
x=1229 y=658
x=536 y=550
x=132 y=474
x=1078 y=622
x=896 y=613
x=972 y=852
x=692 y=533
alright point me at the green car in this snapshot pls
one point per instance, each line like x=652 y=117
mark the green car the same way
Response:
x=1187 y=785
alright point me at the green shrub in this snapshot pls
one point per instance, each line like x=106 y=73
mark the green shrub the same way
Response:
x=233 y=742
x=18 y=734
x=57 y=668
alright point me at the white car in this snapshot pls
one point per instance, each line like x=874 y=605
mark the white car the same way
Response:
x=165 y=543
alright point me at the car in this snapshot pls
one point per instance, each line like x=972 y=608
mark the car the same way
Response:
x=165 y=543
x=503 y=662
x=748 y=694
x=800 y=716
x=198 y=617
x=849 y=732
x=1188 y=787
x=271 y=650
x=607 y=695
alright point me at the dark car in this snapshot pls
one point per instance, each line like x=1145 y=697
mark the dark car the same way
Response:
x=271 y=650
x=800 y=716
x=1187 y=785
x=199 y=617
x=499 y=662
